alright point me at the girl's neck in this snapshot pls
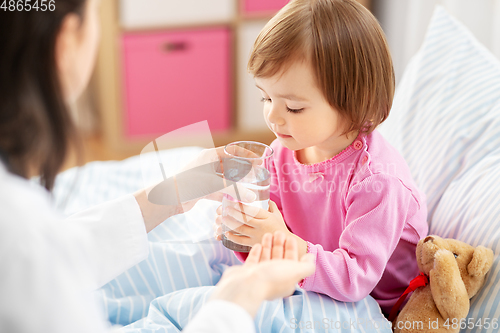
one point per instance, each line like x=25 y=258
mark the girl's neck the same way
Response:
x=318 y=154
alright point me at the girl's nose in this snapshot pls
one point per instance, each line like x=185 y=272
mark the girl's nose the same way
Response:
x=274 y=116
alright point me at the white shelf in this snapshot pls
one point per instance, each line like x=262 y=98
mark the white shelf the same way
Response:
x=141 y=14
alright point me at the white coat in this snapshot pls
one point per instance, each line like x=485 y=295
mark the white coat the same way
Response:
x=50 y=265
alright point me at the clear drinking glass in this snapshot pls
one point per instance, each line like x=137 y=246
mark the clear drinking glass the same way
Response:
x=249 y=172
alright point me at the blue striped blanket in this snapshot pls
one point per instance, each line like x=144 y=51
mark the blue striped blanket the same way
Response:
x=163 y=293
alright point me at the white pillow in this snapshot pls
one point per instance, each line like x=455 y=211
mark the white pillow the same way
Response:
x=445 y=121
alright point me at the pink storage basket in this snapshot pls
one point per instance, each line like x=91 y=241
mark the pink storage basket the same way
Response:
x=174 y=79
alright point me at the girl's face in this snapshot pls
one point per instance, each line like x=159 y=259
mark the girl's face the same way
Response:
x=76 y=49
x=298 y=113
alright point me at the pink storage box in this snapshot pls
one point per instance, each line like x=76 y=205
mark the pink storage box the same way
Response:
x=174 y=79
x=253 y=7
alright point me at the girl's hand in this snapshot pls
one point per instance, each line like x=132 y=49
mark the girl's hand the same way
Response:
x=248 y=224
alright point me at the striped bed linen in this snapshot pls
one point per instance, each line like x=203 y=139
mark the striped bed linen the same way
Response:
x=165 y=291
x=445 y=121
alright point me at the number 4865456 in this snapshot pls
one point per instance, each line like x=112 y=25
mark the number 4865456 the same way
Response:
x=28 y=5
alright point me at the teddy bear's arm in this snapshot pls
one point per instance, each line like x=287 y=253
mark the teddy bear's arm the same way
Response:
x=447 y=287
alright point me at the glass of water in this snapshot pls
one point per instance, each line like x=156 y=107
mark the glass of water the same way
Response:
x=249 y=172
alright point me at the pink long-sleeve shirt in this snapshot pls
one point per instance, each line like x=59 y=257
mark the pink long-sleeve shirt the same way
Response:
x=361 y=215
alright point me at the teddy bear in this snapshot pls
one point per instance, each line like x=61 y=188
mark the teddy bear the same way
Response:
x=454 y=272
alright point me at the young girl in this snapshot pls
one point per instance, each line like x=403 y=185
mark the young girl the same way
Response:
x=50 y=265
x=326 y=77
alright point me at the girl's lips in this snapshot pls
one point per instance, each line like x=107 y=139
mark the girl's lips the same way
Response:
x=283 y=135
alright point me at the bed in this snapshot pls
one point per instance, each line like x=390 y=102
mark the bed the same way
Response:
x=445 y=121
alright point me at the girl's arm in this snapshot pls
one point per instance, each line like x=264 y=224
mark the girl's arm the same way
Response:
x=373 y=229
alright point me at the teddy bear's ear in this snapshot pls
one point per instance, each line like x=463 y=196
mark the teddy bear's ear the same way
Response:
x=481 y=262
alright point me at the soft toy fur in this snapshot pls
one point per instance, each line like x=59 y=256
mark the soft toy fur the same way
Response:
x=456 y=271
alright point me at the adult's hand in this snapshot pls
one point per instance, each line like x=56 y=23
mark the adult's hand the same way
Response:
x=203 y=178
x=199 y=179
x=272 y=270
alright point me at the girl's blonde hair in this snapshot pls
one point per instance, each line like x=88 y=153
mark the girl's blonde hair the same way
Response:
x=348 y=52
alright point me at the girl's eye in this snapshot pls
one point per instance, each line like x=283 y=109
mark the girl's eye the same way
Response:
x=294 y=110
x=265 y=100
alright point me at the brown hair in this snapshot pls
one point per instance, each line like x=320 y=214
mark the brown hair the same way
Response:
x=36 y=128
x=347 y=50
